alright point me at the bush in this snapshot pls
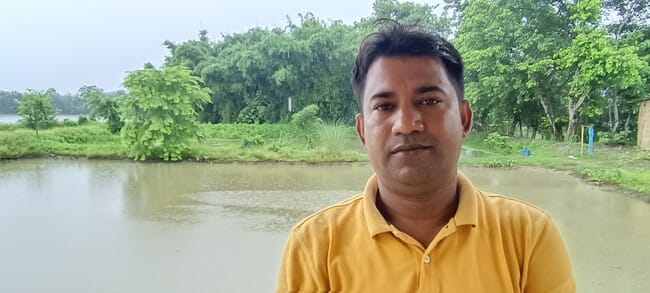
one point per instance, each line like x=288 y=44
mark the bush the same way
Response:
x=68 y=123
x=82 y=120
x=500 y=163
x=498 y=143
x=307 y=119
x=616 y=139
x=252 y=114
x=609 y=175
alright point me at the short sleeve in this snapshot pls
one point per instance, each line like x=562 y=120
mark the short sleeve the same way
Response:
x=549 y=269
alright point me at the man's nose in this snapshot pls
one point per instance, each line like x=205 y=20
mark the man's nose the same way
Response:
x=408 y=120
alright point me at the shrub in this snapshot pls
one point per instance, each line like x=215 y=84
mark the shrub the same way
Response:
x=82 y=120
x=68 y=123
x=307 y=118
x=618 y=138
x=498 y=143
x=500 y=163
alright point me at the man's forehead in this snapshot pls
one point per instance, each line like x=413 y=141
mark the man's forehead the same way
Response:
x=416 y=71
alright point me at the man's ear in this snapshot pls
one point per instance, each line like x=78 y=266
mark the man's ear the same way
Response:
x=362 y=135
x=466 y=116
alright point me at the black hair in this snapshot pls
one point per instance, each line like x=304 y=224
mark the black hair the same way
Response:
x=405 y=40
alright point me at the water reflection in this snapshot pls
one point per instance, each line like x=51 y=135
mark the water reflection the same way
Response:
x=268 y=197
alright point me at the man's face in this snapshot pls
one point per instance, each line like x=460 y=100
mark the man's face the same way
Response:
x=412 y=122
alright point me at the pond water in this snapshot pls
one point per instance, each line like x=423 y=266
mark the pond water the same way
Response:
x=121 y=226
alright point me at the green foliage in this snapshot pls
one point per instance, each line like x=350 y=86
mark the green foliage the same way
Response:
x=335 y=138
x=307 y=119
x=160 y=112
x=102 y=106
x=253 y=74
x=67 y=103
x=36 y=110
x=252 y=114
x=68 y=123
x=8 y=102
x=239 y=131
x=82 y=120
x=92 y=140
x=624 y=137
x=603 y=175
x=252 y=141
x=549 y=66
x=499 y=163
x=498 y=143
x=420 y=14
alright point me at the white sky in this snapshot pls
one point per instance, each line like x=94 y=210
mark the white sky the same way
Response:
x=66 y=44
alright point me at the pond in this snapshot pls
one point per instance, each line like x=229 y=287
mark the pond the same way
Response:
x=121 y=226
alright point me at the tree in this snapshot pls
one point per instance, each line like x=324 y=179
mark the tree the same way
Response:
x=36 y=110
x=418 y=14
x=160 y=111
x=102 y=106
x=508 y=48
x=595 y=62
x=627 y=21
x=8 y=102
x=66 y=103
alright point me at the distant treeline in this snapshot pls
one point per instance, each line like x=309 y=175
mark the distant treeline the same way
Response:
x=533 y=67
x=64 y=104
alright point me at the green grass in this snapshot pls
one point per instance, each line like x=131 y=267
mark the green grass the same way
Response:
x=91 y=140
x=220 y=142
x=627 y=167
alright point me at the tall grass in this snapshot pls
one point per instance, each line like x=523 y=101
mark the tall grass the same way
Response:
x=93 y=140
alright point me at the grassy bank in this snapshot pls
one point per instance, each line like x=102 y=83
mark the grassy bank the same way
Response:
x=627 y=167
x=220 y=142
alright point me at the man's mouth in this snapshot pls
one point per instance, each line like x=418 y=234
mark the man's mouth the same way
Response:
x=405 y=148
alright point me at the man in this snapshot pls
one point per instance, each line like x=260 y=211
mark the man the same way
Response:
x=420 y=225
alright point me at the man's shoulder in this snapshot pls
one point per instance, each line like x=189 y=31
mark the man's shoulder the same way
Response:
x=512 y=209
x=331 y=216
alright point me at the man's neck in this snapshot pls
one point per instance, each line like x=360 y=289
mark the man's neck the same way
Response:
x=419 y=213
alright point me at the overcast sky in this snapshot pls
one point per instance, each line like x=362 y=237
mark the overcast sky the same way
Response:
x=66 y=44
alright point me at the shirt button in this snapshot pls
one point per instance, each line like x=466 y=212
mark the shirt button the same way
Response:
x=427 y=259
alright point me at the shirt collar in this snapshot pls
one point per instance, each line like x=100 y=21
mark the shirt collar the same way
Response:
x=466 y=214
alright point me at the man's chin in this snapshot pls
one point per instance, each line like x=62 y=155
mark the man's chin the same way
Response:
x=411 y=175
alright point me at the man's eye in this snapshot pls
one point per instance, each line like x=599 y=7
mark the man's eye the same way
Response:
x=384 y=107
x=429 y=101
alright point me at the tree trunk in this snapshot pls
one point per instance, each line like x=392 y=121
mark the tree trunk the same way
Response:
x=532 y=136
x=574 y=114
x=616 y=115
x=610 y=121
x=512 y=128
x=550 y=115
x=557 y=128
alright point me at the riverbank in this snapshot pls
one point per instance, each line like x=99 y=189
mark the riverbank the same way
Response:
x=627 y=167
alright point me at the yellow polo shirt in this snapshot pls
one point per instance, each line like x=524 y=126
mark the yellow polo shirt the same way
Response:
x=493 y=244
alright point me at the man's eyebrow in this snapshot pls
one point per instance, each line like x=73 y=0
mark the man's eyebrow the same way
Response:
x=419 y=90
x=429 y=88
x=384 y=94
